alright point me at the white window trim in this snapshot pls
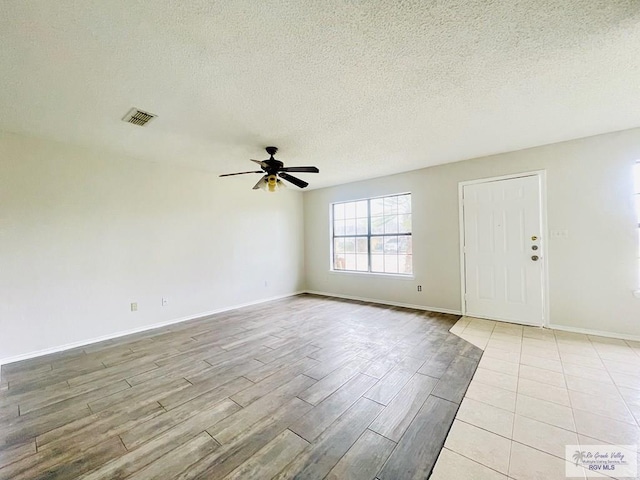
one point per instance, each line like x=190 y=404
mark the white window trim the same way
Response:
x=636 y=194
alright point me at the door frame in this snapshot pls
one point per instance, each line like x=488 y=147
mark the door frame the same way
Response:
x=542 y=181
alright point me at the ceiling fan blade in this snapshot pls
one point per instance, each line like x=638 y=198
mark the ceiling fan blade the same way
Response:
x=240 y=173
x=259 y=162
x=300 y=169
x=292 y=179
x=258 y=185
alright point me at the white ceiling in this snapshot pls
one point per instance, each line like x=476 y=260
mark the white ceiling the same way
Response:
x=358 y=88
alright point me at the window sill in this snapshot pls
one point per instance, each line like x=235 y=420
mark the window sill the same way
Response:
x=372 y=274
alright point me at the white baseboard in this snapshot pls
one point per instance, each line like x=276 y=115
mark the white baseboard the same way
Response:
x=82 y=343
x=386 y=302
x=502 y=320
x=597 y=333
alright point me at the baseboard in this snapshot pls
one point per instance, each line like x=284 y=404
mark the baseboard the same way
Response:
x=597 y=333
x=502 y=320
x=82 y=343
x=386 y=302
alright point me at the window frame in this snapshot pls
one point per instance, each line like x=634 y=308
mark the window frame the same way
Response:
x=368 y=236
x=636 y=202
x=636 y=188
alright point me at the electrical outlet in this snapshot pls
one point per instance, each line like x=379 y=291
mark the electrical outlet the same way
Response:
x=419 y=288
x=165 y=301
x=134 y=306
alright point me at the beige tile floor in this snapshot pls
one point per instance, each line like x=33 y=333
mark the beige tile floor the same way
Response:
x=535 y=391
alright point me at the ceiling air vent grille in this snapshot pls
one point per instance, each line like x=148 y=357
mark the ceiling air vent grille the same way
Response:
x=138 y=117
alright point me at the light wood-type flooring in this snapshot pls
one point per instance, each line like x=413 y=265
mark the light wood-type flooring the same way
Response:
x=307 y=387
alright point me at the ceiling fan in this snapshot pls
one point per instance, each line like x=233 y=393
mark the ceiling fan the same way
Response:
x=273 y=169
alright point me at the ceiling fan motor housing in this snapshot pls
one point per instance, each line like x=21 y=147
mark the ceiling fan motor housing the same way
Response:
x=273 y=166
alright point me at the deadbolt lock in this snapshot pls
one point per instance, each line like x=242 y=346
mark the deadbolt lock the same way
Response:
x=535 y=258
x=534 y=247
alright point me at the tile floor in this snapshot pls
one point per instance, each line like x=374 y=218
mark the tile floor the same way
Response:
x=535 y=391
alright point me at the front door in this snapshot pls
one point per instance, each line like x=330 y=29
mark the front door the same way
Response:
x=503 y=251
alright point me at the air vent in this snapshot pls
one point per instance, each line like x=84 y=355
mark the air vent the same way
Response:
x=138 y=117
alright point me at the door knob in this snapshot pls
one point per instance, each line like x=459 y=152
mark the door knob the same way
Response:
x=535 y=258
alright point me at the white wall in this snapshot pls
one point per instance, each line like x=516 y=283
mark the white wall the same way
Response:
x=592 y=274
x=84 y=233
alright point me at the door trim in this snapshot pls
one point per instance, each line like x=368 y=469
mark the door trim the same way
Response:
x=542 y=180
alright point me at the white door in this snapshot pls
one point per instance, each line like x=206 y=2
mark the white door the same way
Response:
x=502 y=250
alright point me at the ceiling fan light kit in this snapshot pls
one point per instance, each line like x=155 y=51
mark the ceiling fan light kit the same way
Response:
x=272 y=169
x=270 y=183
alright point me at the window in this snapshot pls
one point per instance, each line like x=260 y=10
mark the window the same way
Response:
x=636 y=184
x=373 y=235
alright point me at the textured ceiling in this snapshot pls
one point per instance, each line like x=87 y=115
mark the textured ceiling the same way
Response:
x=358 y=88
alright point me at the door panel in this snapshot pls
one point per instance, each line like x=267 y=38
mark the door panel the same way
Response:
x=502 y=221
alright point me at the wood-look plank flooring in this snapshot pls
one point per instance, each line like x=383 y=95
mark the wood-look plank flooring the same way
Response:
x=306 y=387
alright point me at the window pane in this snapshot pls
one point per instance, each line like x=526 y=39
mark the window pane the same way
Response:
x=404 y=204
x=350 y=210
x=376 y=206
x=350 y=261
x=390 y=205
x=377 y=263
x=338 y=211
x=404 y=264
x=338 y=245
x=350 y=245
x=362 y=226
x=404 y=244
x=377 y=244
x=362 y=262
x=390 y=244
x=338 y=262
x=404 y=223
x=350 y=226
x=377 y=225
x=361 y=245
x=391 y=263
x=361 y=209
x=391 y=224
x=338 y=227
